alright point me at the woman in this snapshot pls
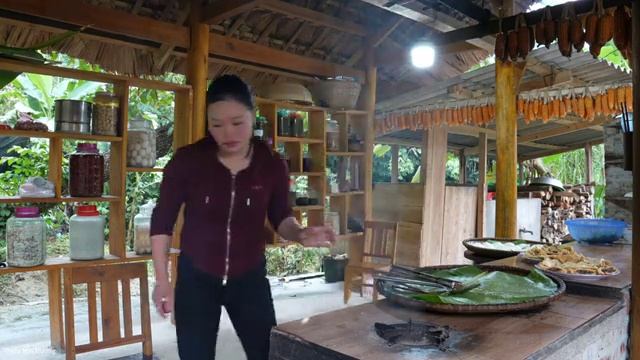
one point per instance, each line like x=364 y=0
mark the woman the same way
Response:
x=229 y=183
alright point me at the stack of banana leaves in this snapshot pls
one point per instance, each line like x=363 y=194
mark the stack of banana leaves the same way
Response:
x=466 y=285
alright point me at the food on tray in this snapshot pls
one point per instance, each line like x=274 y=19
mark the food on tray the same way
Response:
x=564 y=259
x=514 y=246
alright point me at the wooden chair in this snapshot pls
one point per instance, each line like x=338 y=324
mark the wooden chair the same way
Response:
x=378 y=249
x=108 y=276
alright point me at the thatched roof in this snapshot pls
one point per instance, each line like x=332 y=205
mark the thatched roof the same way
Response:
x=264 y=26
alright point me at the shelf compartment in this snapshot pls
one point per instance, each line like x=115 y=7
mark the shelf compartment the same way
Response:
x=64 y=199
x=65 y=261
x=285 y=139
x=307 y=208
x=144 y=170
x=347 y=193
x=344 y=153
x=306 y=174
x=59 y=135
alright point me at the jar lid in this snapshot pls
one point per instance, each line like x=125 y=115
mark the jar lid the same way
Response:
x=87 y=210
x=139 y=124
x=87 y=148
x=106 y=98
x=27 y=212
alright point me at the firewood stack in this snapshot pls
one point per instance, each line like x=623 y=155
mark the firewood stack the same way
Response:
x=558 y=206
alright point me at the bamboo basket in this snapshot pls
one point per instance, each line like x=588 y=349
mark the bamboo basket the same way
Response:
x=336 y=93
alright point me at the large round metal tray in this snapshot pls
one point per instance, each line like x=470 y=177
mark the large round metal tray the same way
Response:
x=494 y=253
x=473 y=309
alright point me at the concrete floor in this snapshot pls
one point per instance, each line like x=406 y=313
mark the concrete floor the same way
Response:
x=24 y=329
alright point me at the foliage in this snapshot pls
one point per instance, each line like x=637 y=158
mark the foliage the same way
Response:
x=452 y=174
x=409 y=159
x=611 y=54
x=293 y=260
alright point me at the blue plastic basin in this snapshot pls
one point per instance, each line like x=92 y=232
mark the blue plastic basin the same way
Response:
x=596 y=231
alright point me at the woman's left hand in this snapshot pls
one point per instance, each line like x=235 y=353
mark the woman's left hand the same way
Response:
x=317 y=236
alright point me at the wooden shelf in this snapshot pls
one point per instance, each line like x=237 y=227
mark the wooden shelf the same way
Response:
x=286 y=139
x=349 y=236
x=63 y=262
x=344 y=153
x=64 y=199
x=307 y=208
x=59 y=135
x=349 y=112
x=320 y=173
x=144 y=170
x=347 y=193
x=289 y=105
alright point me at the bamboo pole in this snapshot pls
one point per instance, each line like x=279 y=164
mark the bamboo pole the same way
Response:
x=395 y=152
x=462 y=167
x=197 y=62
x=588 y=158
x=635 y=254
x=482 y=184
x=370 y=107
x=508 y=76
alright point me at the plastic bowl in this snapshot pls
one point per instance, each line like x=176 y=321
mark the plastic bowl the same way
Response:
x=596 y=231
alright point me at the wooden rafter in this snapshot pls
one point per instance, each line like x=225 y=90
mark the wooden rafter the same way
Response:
x=376 y=40
x=313 y=16
x=295 y=35
x=162 y=54
x=237 y=23
x=222 y=10
x=264 y=35
x=569 y=147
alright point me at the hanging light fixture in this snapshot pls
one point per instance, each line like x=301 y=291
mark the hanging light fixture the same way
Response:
x=423 y=55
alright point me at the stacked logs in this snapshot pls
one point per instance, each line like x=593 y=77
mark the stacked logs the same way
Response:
x=586 y=104
x=570 y=31
x=557 y=207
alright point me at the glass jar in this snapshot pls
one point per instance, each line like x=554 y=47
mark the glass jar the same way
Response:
x=284 y=124
x=86 y=234
x=142 y=226
x=86 y=171
x=25 y=235
x=141 y=144
x=333 y=135
x=105 y=114
x=332 y=220
x=355 y=142
x=296 y=125
x=307 y=163
x=314 y=197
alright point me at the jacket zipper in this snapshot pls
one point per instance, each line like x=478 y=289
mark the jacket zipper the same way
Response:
x=231 y=203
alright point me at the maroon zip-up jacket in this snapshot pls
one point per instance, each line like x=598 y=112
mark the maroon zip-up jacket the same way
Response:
x=222 y=209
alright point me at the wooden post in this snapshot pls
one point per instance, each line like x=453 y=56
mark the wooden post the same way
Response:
x=395 y=153
x=434 y=160
x=635 y=254
x=588 y=157
x=482 y=184
x=56 y=322
x=369 y=102
x=197 y=63
x=423 y=156
x=507 y=81
x=462 y=165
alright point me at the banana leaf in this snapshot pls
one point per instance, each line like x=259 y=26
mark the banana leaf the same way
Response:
x=496 y=287
x=30 y=54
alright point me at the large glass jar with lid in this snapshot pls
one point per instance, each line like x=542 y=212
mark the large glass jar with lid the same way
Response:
x=141 y=144
x=333 y=135
x=86 y=234
x=86 y=171
x=142 y=225
x=25 y=235
x=106 y=107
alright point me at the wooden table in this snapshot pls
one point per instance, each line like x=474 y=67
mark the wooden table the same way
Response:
x=589 y=322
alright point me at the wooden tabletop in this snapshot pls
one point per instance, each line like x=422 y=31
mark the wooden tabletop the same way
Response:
x=349 y=334
x=620 y=255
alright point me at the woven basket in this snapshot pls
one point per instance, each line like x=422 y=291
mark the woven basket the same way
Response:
x=473 y=309
x=336 y=94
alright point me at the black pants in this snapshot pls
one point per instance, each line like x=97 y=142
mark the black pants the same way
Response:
x=199 y=298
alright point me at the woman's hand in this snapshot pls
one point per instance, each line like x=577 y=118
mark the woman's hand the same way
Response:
x=163 y=298
x=317 y=236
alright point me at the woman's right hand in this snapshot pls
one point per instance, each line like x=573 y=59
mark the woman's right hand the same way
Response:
x=163 y=298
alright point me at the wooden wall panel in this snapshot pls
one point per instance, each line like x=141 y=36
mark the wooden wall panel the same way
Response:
x=459 y=222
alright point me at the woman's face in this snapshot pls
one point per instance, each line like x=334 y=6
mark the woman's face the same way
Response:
x=231 y=125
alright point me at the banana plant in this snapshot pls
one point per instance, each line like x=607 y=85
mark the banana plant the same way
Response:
x=29 y=54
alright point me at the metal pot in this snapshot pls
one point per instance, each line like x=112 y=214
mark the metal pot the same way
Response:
x=548 y=181
x=73 y=116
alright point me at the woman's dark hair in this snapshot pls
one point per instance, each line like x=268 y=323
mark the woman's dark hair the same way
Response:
x=230 y=87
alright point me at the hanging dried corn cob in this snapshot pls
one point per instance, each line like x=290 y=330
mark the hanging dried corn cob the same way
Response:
x=581 y=107
x=605 y=26
x=576 y=32
x=621 y=31
x=597 y=106
x=567 y=104
x=555 y=108
x=628 y=98
x=563 y=109
x=512 y=44
x=550 y=32
x=523 y=37
x=564 y=40
x=588 y=107
x=520 y=105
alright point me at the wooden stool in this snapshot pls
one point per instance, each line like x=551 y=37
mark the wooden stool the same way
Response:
x=108 y=276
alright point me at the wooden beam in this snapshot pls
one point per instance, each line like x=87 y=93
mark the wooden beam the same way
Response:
x=102 y=19
x=160 y=56
x=635 y=249
x=293 y=37
x=313 y=16
x=240 y=52
x=237 y=23
x=508 y=77
x=508 y=23
x=222 y=10
x=264 y=35
x=468 y=9
x=369 y=102
x=566 y=148
x=197 y=63
x=377 y=39
x=588 y=158
x=395 y=152
x=482 y=185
